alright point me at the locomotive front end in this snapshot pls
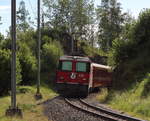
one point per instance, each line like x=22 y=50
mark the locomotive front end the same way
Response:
x=73 y=75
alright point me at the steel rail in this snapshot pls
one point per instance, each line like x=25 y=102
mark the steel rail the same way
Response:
x=109 y=112
x=89 y=112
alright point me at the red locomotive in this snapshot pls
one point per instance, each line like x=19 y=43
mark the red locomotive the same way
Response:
x=78 y=75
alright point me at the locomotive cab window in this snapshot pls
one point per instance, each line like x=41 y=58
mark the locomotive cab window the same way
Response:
x=82 y=67
x=65 y=65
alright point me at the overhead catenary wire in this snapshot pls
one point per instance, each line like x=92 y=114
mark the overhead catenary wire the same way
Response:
x=34 y=13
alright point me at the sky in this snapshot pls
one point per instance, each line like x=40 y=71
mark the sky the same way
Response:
x=133 y=6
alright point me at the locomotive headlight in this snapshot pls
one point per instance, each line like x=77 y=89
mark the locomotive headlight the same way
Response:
x=61 y=77
x=84 y=79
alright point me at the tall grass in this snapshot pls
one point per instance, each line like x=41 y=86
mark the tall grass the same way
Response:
x=132 y=100
x=103 y=94
x=28 y=104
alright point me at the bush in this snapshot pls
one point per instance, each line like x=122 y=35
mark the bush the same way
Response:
x=28 y=64
x=1 y=39
x=30 y=38
x=103 y=95
x=5 y=71
x=57 y=34
x=146 y=89
x=96 y=55
x=130 y=54
x=50 y=55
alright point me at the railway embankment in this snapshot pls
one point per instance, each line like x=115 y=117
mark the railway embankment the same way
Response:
x=26 y=101
x=131 y=61
x=133 y=101
x=59 y=110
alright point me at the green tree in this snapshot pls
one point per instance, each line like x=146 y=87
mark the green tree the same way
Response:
x=48 y=13
x=82 y=18
x=73 y=17
x=111 y=20
x=26 y=51
x=28 y=64
x=29 y=37
x=61 y=14
x=131 y=53
x=1 y=40
x=5 y=71
x=22 y=17
x=51 y=52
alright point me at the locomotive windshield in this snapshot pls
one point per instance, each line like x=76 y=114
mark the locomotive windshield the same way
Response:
x=82 y=67
x=68 y=66
x=65 y=65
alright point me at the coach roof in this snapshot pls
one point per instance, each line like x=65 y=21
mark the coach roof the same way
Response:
x=78 y=58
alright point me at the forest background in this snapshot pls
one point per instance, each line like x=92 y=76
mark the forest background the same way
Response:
x=104 y=33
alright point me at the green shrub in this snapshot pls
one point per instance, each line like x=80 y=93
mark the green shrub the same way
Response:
x=103 y=95
x=50 y=56
x=28 y=64
x=5 y=71
x=134 y=100
x=146 y=89
x=1 y=40
x=130 y=53
x=30 y=38
x=96 y=55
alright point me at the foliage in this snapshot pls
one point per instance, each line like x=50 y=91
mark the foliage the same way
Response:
x=30 y=39
x=28 y=64
x=1 y=40
x=26 y=49
x=57 y=35
x=130 y=53
x=6 y=44
x=95 y=54
x=1 y=37
x=5 y=71
x=72 y=17
x=134 y=101
x=50 y=55
x=146 y=87
x=92 y=51
x=111 y=20
x=82 y=19
x=22 y=17
x=102 y=96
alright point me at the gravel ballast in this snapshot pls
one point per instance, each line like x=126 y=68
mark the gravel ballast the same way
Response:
x=58 y=110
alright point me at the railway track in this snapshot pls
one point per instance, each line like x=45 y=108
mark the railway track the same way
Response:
x=105 y=114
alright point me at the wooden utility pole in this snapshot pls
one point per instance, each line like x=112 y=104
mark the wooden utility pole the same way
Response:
x=13 y=60
x=13 y=110
x=38 y=94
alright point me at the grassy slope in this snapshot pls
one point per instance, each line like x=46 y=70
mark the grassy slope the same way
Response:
x=131 y=101
x=26 y=101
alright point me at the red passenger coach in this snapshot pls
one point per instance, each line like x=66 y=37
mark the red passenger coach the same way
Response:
x=101 y=75
x=77 y=75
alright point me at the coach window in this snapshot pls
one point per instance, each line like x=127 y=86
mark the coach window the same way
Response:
x=66 y=66
x=82 y=67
